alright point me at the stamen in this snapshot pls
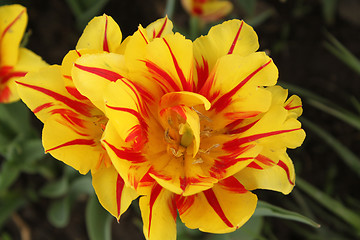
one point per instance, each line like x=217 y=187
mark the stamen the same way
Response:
x=207 y=151
x=198 y=160
x=202 y=116
x=177 y=153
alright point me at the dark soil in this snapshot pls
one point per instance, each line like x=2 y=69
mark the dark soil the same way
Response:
x=294 y=36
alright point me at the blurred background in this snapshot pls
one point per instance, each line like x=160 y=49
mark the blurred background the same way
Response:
x=315 y=45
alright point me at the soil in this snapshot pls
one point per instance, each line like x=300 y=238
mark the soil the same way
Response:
x=293 y=35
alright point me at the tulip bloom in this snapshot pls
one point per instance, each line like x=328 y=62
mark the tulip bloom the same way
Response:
x=73 y=125
x=207 y=10
x=15 y=62
x=194 y=127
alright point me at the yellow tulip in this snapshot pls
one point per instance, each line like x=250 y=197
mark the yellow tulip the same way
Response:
x=15 y=61
x=208 y=10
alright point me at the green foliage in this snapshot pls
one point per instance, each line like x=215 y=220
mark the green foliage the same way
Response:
x=98 y=220
x=85 y=10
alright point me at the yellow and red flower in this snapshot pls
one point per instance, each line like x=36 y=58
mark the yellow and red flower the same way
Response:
x=208 y=10
x=15 y=62
x=193 y=127
x=73 y=125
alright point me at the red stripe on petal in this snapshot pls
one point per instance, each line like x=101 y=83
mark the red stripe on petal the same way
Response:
x=5 y=94
x=232 y=47
x=138 y=133
x=105 y=43
x=214 y=203
x=255 y=165
x=287 y=107
x=41 y=107
x=155 y=192
x=225 y=100
x=184 y=203
x=286 y=169
x=10 y=75
x=162 y=28
x=104 y=73
x=77 y=106
x=88 y=142
x=78 y=53
x=143 y=36
x=241 y=129
x=172 y=207
x=235 y=143
x=75 y=93
x=127 y=154
x=7 y=28
x=202 y=73
x=164 y=77
x=233 y=185
x=265 y=160
x=119 y=189
x=186 y=85
x=69 y=116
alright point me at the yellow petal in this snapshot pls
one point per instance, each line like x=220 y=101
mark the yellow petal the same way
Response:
x=45 y=97
x=112 y=192
x=279 y=177
x=128 y=113
x=158 y=212
x=94 y=72
x=169 y=61
x=214 y=10
x=221 y=209
x=74 y=140
x=159 y=28
x=230 y=37
x=130 y=164
x=28 y=61
x=237 y=80
x=13 y=20
x=102 y=33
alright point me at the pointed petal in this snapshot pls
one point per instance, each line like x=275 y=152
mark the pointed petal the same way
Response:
x=112 y=192
x=189 y=99
x=159 y=28
x=221 y=209
x=278 y=177
x=45 y=97
x=74 y=140
x=13 y=20
x=102 y=33
x=128 y=113
x=158 y=211
x=130 y=164
x=28 y=61
x=93 y=73
x=230 y=37
x=237 y=79
x=169 y=62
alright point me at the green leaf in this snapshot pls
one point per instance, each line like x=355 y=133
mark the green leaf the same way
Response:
x=81 y=185
x=268 y=210
x=55 y=189
x=250 y=231
x=16 y=116
x=98 y=220
x=348 y=156
x=248 y=6
x=9 y=203
x=325 y=105
x=59 y=212
x=341 y=52
x=8 y=174
x=331 y=204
